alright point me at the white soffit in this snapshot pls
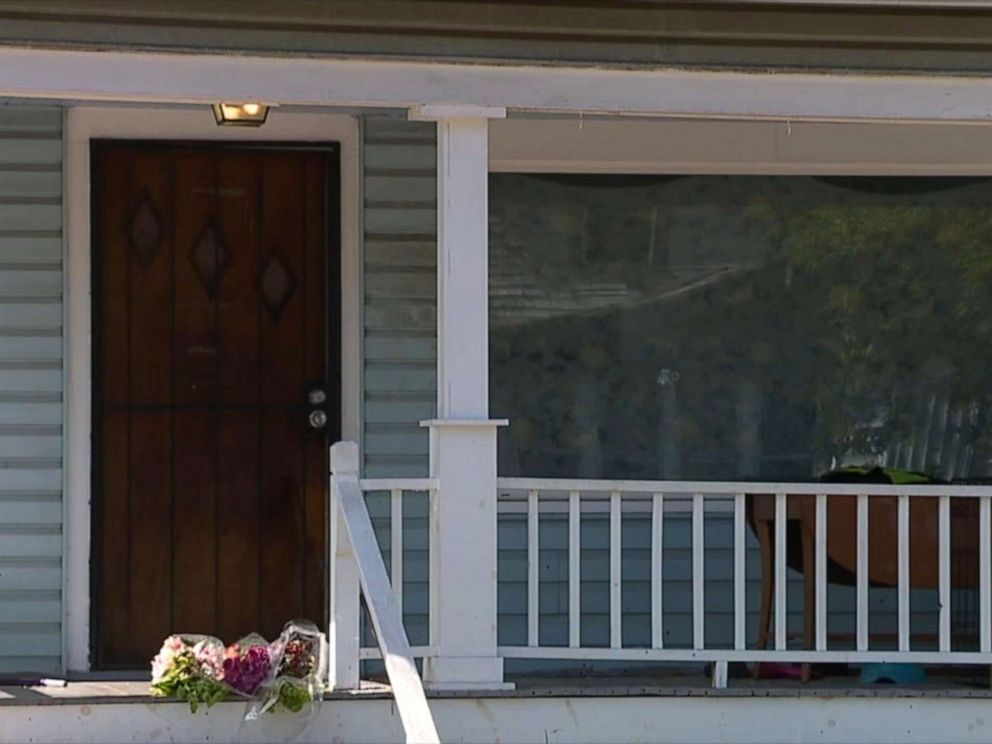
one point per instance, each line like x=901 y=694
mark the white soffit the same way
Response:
x=626 y=145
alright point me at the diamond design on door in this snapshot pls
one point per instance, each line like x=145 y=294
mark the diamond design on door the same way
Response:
x=144 y=231
x=277 y=283
x=209 y=257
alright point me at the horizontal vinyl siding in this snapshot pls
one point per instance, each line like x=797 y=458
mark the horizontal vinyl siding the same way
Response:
x=400 y=287
x=712 y=33
x=400 y=327
x=30 y=389
x=677 y=592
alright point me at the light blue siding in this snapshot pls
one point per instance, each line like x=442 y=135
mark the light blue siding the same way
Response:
x=30 y=389
x=400 y=286
x=399 y=372
x=677 y=592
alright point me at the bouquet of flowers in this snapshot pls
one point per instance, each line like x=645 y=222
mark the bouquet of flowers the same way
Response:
x=190 y=668
x=286 y=674
x=248 y=665
x=300 y=665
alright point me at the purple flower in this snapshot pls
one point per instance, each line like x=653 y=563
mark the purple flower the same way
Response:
x=247 y=667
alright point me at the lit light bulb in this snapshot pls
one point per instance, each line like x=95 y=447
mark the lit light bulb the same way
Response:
x=251 y=114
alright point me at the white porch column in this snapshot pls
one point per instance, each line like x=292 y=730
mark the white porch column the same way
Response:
x=343 y=632
x=463 y=438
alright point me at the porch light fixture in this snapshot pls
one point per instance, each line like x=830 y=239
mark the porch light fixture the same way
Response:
x=240 y=114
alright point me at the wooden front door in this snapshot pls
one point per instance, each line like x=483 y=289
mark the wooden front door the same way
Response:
x=214 y=324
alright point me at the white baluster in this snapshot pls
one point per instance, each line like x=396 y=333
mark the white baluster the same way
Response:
x=862 y=573
x=396 y=545
x=533 y=569
x=657 y=558
x=821 y=572
x=781 y=549
x=698 y=577
x=985 y=578
x=944 y=571
x=740 y=566
x=574 y=570
x=902 y=552
x=616 y=630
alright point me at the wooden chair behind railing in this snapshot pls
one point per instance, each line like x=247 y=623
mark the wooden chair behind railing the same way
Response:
x=883 y=570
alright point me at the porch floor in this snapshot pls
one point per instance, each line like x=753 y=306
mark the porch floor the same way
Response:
x=957 y=683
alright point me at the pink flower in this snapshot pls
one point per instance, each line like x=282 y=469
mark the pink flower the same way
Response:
x=247 y=667
x=210 y=657
x=174 y=643
x=165 y=660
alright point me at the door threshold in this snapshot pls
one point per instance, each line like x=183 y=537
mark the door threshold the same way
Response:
x=111 y=675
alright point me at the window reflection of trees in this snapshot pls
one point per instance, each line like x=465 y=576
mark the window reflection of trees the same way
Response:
x=740 y=327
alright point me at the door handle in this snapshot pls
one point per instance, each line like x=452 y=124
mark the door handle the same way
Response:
x=316 y=398
x=317 y=419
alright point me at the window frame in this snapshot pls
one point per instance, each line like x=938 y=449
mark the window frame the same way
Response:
x=627 y=145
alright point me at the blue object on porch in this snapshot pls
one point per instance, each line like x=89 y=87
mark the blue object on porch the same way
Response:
x=899 y=674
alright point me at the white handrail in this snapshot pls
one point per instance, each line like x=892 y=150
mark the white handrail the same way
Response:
x=408 y=690
x=647 y=489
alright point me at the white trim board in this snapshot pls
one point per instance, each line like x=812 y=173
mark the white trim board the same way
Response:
x=567 y=714
x=613 y=145
x=61 y=74
x=83 y=124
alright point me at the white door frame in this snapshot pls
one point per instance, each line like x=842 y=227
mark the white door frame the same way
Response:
x=84 y=124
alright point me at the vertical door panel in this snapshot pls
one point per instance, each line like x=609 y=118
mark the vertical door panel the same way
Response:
x=113 y=321
x=113 y=549
x=150 y=481
x=200 y=260
x=238 y=496
x=150 y=289
x=238 y=305
x=195 y=519
x=282 y=346
x=281 y=579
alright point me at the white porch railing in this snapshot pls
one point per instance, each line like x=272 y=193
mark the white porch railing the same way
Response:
x=537 y=497
x=574 y=501
x=355 y=555
x=398 y=489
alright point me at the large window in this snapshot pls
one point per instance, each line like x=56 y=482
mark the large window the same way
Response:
x=741 y=327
